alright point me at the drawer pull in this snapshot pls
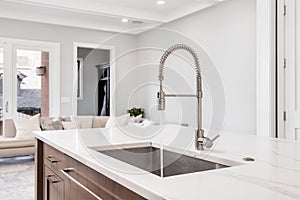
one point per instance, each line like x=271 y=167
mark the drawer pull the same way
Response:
x=51 y=180
x=66 y=173
x=50 y=158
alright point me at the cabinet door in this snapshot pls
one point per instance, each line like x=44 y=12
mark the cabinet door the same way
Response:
x=78 y=187
x=81 y=187
x=53 y=186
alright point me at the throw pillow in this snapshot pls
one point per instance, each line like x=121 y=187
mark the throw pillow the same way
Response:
x=25 y=127
x=49 y=124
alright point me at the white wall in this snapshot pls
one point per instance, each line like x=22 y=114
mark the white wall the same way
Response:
x=66 y=36
x=223 y=35
x=90 y=77
x=225 y=38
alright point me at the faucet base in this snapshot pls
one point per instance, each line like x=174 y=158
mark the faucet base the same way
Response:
x=199 y=140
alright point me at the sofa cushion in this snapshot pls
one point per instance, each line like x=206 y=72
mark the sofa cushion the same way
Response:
x=66 y=119
x=51 y=123
x=8 y=143
x=69 y=125
x=9 y=128
x=119 y=121
x=25 y=127
x=99 y=121
x=82 y=122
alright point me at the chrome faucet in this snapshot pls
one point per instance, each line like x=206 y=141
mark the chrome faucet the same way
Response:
x=200 y=140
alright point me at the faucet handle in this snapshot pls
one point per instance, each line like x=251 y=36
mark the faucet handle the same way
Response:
x=207 y=142
x=216 y=137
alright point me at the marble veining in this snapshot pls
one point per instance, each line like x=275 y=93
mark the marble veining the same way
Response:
x=275 y=186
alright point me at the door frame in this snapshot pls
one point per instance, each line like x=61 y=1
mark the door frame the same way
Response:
x=266 y=111
x=54 y=70
x=281 y=69
x=112 y=57
x=7 y=86
x=287 y=50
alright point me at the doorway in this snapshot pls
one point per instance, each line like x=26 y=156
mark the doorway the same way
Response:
x=94 y=72
x=25 y=79
x=93 y=81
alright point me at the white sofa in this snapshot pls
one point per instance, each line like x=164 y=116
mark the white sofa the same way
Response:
x=9 y=146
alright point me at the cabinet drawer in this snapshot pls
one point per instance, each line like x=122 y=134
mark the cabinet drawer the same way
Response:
x=53 y=159
x=87 y=180
x=53 y=185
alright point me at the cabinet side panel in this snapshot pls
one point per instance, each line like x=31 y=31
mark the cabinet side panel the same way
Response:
x=39 y=170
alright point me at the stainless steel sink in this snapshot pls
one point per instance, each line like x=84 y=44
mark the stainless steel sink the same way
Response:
x=159 y=161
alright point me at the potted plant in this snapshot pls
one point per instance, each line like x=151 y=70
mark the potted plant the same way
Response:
x=134 y=112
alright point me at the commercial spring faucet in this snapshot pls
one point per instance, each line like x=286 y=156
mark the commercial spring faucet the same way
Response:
x=200 y=140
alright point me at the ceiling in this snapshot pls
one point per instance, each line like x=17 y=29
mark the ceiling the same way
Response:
x=102 y=14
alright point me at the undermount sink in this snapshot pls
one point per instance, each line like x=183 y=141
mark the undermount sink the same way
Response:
x=161 y=162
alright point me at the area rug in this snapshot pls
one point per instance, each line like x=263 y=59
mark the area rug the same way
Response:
x=17 y=178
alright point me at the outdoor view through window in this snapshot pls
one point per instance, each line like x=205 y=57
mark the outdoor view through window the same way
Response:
x=29 y=89
x=28 y=83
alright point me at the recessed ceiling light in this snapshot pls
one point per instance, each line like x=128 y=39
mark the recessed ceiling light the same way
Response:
x=160 y=2
x=124 y=20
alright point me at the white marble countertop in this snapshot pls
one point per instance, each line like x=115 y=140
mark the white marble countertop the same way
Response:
x=275 y=174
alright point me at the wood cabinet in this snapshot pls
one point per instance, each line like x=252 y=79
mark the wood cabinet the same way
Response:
x=59 y=176
x=54 y=185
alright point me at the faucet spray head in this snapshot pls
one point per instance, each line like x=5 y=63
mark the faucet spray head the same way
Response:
x=161 y=100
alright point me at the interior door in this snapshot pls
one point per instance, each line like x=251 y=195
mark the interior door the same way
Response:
x=292 y=70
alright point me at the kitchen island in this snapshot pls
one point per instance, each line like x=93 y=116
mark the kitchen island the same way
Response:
x=258 y=168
